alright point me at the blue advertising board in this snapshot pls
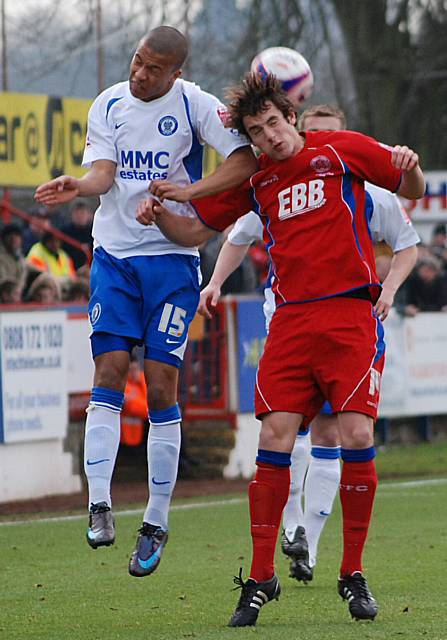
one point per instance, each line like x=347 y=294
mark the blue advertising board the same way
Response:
x=251 y=338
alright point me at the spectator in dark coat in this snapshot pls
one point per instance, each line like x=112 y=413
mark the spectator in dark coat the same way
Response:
x=34 y=231
x=79 y=228
x=427 y=286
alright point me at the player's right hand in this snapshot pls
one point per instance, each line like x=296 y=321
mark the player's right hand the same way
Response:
x=404 y=158
x=58 y=191
x=209 y=298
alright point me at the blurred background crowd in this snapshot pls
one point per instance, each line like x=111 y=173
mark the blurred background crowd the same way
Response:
x=47 y=261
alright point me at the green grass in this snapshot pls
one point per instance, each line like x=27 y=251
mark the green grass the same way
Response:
x=413 y=460
x=55 y=588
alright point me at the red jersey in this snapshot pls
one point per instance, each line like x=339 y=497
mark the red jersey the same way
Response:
x=312 y=206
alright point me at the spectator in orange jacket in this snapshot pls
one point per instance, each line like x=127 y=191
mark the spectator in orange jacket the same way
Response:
x=135 y=411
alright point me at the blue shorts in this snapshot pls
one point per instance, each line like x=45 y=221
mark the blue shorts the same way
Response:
x=149 y=300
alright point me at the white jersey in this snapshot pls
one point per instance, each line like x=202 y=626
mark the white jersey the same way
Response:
x=160 y=139
x=387 y=221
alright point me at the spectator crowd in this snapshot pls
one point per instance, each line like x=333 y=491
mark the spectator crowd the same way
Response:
x=426 y=287
x=40 y=266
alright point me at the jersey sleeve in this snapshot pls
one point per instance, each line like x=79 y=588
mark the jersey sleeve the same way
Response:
x=368 y=159
x=99 y=144
x=247 y=229
x=207 y=114
x=219 y=211
x=389 y=221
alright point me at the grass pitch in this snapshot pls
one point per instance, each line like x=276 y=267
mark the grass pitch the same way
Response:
x=54 y=587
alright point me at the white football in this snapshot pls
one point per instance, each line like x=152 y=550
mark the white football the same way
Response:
x=290 y=68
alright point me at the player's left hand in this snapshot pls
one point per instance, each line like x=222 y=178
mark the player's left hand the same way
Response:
x=404 y=158
x=383 y=305
x=145 y=211
x=168 y=191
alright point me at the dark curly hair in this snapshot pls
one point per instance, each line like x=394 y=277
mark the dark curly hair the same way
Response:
x=250 y=97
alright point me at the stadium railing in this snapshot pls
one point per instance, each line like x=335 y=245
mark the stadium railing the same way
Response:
x=8 y=210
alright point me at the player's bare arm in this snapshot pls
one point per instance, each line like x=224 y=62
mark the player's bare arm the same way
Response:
x=228 y=260
x=401 y=267
x=185 y=231
x=239 y=166
x=95 y=182
x=413 y=183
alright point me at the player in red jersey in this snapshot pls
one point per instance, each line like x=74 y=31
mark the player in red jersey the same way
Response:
x=309 y=192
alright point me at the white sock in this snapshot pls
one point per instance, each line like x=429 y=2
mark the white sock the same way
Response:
x=322 y=482
x=293 y=511
x=102 y=437
x=163 y=449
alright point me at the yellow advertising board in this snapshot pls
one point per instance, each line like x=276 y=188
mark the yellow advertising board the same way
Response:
x=41 y=137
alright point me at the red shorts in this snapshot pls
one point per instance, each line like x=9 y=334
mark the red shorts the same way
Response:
x=326 y=350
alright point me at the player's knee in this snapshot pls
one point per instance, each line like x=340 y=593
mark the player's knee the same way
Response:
x=111 y=374
x=357 y=431
x=359 y=437
x=161 y=394
x=275 y=436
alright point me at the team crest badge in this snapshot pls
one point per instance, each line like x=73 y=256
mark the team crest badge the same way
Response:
x=95 y=313
x=167 y=126
x=224 y=116
x=320 y=164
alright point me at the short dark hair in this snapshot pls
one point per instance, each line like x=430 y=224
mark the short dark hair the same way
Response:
x=48 y=236
x=167 y=41
x=7 y=285
x=322 y=111
x=11 y=230
x=76 y=289
x=440 y=229
x=80 y=204
x=250 y=97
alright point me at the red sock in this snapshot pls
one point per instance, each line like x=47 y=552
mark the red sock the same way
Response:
x=357 y=489
x=267 y=493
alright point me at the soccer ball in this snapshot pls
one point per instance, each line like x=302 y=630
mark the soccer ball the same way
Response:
x=290 y=68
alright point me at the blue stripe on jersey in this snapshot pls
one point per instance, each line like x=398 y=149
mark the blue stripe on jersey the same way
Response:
x=380 y=344
x=256 y=205
x=369 y=206
x=271 y=243
x=268 y=245
x=348 y=197
x=110 y=105
x=369 y=210
x=270 y=277
x=193 y=161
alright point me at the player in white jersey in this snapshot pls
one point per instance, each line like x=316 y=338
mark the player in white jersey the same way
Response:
x=315 y=468
x=144 y=288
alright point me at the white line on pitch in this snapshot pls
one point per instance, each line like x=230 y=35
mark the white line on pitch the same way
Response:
x=218 y=503
x=128 y=512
